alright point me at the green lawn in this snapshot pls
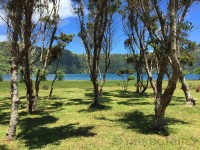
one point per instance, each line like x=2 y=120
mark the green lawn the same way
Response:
x=124 y=122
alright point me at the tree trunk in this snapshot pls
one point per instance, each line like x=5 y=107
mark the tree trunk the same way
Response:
x=15 y=101
x=163 y=101
x=30 y=97
x=37 y=88
x=96 y=93
x=145 y=87
x=51 y=90
x=29 y=85
x=149 y=74
x=189 y=99
x=138 y=82
x=15 y=16
x=101 y=90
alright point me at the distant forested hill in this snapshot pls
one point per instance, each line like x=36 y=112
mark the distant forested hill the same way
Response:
x=4 y=58
x=76 y=63
x=70 y=62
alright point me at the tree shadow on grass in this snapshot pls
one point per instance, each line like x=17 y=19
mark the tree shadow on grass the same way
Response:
x=103 y=99
x=129 y=94
x=176 y=100
x=39 y=137
x=3 y=147
x=5 y=105
x=92 y=108
x=4 y=118
x=30 y=123
x=132 y=102
x=52 y=98
x=77 y=101
x=57 y=104
x=143 y=123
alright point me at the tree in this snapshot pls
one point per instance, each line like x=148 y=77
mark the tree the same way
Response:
x=92 y=34
x=55 y=54
x=49 y=22
x=126 y=75
x=163 y=33
x=186 y=59
x=14 y=10
x=138 y=39
x=26 y=48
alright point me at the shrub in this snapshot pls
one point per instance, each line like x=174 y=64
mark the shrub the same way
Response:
x=131 y=77
x=198 y=88
x=192 y=86
x=60 y=74
x=45 y=87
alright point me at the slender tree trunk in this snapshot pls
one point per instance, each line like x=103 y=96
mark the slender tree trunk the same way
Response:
x=101 y=89
x=29 y=85
x=189 y=99
x=163 y=101
x=138 y=82
x=145 y=87
x=52 y=84
x=15 y=15
x=37 y=88
x=96 y=94
x=30 y=97
x=96 y=91
x=150 y=77
x=14 y=99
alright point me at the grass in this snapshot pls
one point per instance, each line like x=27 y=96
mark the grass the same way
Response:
x=123 y=121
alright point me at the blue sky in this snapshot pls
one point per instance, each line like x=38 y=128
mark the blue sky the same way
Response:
x=70 y=25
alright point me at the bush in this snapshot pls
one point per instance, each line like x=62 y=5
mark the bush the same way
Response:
x=131 y=77
x=192 y=86
x=198 y=88
x=60 y=74
x=45 y=87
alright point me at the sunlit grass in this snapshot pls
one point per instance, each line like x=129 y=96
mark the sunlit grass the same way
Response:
x=124 y=122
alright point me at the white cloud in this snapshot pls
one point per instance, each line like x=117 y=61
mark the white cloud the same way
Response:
x=3 y=38
x=66 y=9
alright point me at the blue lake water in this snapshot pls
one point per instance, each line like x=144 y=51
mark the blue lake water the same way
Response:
x=108 y=77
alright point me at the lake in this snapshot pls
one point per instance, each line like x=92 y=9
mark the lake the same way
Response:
x=108 y=77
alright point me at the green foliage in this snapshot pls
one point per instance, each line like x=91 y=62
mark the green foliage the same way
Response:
x=186 y=72
x=186 y=58
x=60 y=74
x=124 y=71
x=44 y=77
x=4 y=57
x=131 y=77
x=197 y=72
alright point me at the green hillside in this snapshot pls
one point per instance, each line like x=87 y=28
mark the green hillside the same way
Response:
x=75 y=63
x=70 y=62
